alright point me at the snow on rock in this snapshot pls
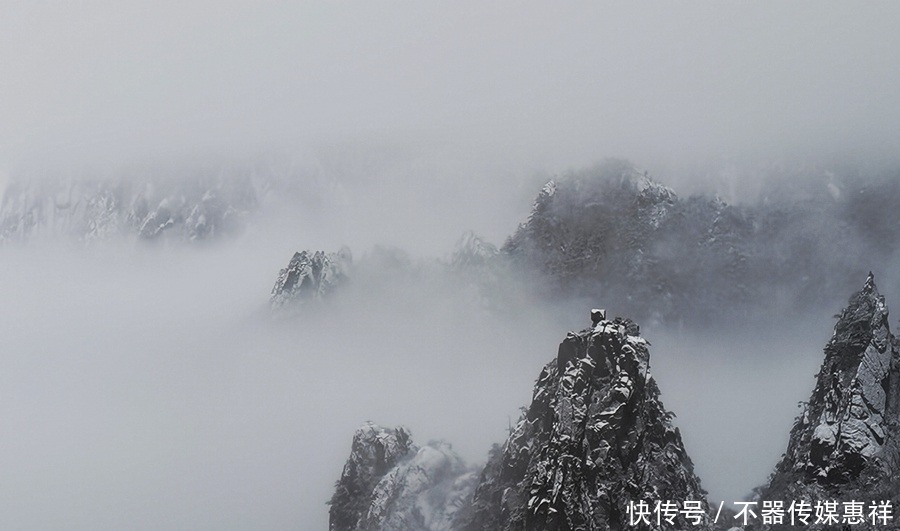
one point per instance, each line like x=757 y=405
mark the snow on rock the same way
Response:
x=310 y=276
x=374 y=452
x=845 y=443
x=426 y=492
x=195 y=207
x=595 y=437
x=390 y=484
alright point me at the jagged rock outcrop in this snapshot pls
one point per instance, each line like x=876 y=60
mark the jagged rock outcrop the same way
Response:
x=390 y=484
x=595 y=437
x=310 y=276
x=374 y=452
x=846 y=443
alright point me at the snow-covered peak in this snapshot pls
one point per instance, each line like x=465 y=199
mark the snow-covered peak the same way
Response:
x=845 y=442
x=426 y=492
x=390 y=484
x=595 y=437
x=310 y=275
x=374 y=452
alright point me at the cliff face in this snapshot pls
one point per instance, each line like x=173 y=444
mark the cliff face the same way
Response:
x=595 y=437
x=375 y=451
x=310 y=276
x=390 y=484
x=846 y=443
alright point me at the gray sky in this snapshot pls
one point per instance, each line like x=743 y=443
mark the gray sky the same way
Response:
x=538 y=83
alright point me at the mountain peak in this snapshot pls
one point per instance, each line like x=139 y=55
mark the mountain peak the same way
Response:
x=870 y=282
x=595 y=438
x=374 y=452
x=390 y=484
x=845 y=443
x=310 y=275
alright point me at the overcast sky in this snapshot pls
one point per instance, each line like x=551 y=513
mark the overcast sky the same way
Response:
x=549 y=84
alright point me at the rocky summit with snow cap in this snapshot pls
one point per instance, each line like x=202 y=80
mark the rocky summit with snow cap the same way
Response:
x=374 y=452
x=310 y=276
x=390 y=484
x=595 y=439
x=846 y=444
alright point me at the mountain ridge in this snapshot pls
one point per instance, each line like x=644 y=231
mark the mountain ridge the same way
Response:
x=845 y=445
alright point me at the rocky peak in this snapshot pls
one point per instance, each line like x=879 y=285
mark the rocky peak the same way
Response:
x=309 y=276
x=390 y=484
x=595 y=437
x=374 y=452
x=846 y=440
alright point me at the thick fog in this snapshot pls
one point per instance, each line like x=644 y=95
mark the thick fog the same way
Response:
x=150 y=388
x=147 y=385
x=523 y=84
